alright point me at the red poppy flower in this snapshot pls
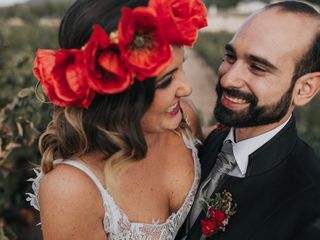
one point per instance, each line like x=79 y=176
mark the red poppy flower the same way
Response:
x=43 y=65
x=61 y=76
x=181 y=19
x=208 y=227
x=105 y=71
x=142 y=43
x=217 y=215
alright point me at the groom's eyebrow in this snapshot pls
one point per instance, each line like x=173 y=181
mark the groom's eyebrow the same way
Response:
x=230 y=48
x=262 y=61
x=253 y=58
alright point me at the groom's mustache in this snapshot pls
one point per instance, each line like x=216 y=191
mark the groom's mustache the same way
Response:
x=232 y=92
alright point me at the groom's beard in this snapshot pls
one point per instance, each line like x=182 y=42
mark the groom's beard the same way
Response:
x=253 y=115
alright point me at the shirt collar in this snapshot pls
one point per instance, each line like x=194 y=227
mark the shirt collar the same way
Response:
x=244 y=148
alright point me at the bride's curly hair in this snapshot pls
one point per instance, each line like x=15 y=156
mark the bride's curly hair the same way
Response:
x=112 y=123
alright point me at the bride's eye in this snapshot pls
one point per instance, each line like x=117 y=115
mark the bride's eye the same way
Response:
x=164 y=82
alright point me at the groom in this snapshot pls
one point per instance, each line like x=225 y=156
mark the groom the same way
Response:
x=270 y=67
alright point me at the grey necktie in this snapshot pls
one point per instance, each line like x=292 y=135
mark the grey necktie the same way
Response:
x=224 y=164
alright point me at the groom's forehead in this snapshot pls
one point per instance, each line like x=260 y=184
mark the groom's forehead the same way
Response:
x=276 y=34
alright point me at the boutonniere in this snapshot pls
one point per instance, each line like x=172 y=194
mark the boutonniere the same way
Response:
x=218 y=212
x=221 y=127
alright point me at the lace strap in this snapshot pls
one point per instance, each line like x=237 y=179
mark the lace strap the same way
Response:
x=190 y=141
x=33 y=198
x=87 y=171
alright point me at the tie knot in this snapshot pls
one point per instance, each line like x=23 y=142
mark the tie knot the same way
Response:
x=226 y=160
x=227 y=147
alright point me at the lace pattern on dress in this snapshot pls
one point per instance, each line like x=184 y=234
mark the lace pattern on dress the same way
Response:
x=116 y=223
x=118 y=226
x=33 y=197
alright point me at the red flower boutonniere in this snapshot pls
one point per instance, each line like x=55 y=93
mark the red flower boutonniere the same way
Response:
x=218 y=211
x=221 y=127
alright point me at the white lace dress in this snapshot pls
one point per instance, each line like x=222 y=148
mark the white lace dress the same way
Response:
x=116 y=223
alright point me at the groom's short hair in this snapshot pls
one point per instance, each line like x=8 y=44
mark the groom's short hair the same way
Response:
x=295 y=7
x=310 y=61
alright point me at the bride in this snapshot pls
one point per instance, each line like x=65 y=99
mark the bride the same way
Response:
x=119 y=159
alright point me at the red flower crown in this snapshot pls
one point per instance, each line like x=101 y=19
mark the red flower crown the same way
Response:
x=140 y=48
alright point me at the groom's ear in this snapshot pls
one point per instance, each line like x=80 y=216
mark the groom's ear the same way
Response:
x=306 y=88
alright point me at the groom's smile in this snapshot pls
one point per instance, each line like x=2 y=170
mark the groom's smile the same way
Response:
x=233 y=103
x=236 y=100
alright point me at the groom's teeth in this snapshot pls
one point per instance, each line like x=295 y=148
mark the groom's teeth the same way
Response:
x=171 y=108
x=235 y=100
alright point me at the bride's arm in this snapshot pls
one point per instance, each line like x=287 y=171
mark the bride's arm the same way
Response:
x=69 y=206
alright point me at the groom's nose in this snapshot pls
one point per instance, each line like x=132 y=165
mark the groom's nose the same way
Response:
x=232 y=75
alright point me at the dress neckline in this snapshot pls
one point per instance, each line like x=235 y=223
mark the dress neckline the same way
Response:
x=190 y=143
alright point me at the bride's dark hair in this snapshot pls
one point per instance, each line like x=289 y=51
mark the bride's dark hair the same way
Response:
x=76 y=26
x=112 y=123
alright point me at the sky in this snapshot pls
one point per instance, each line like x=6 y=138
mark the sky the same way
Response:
x=4 y=3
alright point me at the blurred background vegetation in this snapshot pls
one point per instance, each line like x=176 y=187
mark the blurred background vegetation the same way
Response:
x=25 y=28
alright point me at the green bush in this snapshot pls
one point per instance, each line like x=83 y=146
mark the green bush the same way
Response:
x=32 y=12
x=18 y=46
x=22 y=117
x=210 y=46
x=308 y=118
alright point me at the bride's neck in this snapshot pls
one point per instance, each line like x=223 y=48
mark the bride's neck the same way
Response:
x=152 y=139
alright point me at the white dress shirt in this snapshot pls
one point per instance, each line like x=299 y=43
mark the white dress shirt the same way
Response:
x=244 y=148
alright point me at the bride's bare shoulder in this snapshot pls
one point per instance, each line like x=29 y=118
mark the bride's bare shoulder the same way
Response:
x=70 y=204
x=64 y=181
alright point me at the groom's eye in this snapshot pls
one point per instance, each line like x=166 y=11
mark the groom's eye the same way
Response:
x=257 y=68
x=229 y=57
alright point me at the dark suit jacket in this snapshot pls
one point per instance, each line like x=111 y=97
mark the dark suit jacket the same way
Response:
x=278 y=199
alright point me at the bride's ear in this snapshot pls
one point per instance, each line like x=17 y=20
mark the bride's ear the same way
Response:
x=306 y=88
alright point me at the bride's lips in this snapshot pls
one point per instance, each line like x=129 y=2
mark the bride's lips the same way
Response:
x=233 y=103
x=174 y=109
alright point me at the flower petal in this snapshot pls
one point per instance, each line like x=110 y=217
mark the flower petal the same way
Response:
x=143 y=46
x=181 y=19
